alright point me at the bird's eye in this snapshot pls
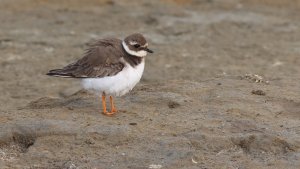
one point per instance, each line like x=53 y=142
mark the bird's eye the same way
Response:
x=137 y=45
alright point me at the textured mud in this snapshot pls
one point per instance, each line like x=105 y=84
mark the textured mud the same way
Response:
x=221 y=90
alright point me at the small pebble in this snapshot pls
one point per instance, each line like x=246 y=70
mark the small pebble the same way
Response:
x=258 y=92
x=173 y=104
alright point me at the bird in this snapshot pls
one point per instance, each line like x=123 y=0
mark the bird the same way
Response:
x=109 y=66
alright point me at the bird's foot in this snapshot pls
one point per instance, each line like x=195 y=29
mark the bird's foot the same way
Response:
x=114 y=110
x=109 y=113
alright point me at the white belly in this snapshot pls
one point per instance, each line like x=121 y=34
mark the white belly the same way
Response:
x=117 y=85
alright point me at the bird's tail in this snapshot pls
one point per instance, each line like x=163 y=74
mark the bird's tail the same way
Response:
x=59 y=73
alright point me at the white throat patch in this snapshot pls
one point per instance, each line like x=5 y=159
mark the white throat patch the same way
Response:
x=140 y=53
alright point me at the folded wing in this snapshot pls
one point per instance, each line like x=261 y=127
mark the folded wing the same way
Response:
x=101 y=59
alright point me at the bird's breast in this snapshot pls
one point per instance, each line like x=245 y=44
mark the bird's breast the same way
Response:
x=118 y=84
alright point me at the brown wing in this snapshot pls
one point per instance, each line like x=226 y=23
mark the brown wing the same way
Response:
x=101 y=59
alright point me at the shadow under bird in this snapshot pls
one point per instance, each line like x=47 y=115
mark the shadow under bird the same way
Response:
x=109 y=66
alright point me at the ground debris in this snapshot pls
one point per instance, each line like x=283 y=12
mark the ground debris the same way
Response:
x=258 y=92
x=255 y=78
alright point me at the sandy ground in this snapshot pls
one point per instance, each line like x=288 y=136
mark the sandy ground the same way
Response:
x=221 y=90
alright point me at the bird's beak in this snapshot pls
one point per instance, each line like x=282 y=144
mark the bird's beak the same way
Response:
x=148 y=50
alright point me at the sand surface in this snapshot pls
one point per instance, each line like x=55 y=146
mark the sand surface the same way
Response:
x=222 y=89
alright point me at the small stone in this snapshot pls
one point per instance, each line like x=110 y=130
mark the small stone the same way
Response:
x=173 y=104
x=258 y=92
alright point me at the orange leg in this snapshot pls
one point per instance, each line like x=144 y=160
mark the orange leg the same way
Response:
x=113 y=110
x=104 y=103
x=112 y=105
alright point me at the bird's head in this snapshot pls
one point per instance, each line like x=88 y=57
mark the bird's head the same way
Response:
x=136 y=45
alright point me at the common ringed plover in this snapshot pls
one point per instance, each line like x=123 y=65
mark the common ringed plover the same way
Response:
x=109 y=66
